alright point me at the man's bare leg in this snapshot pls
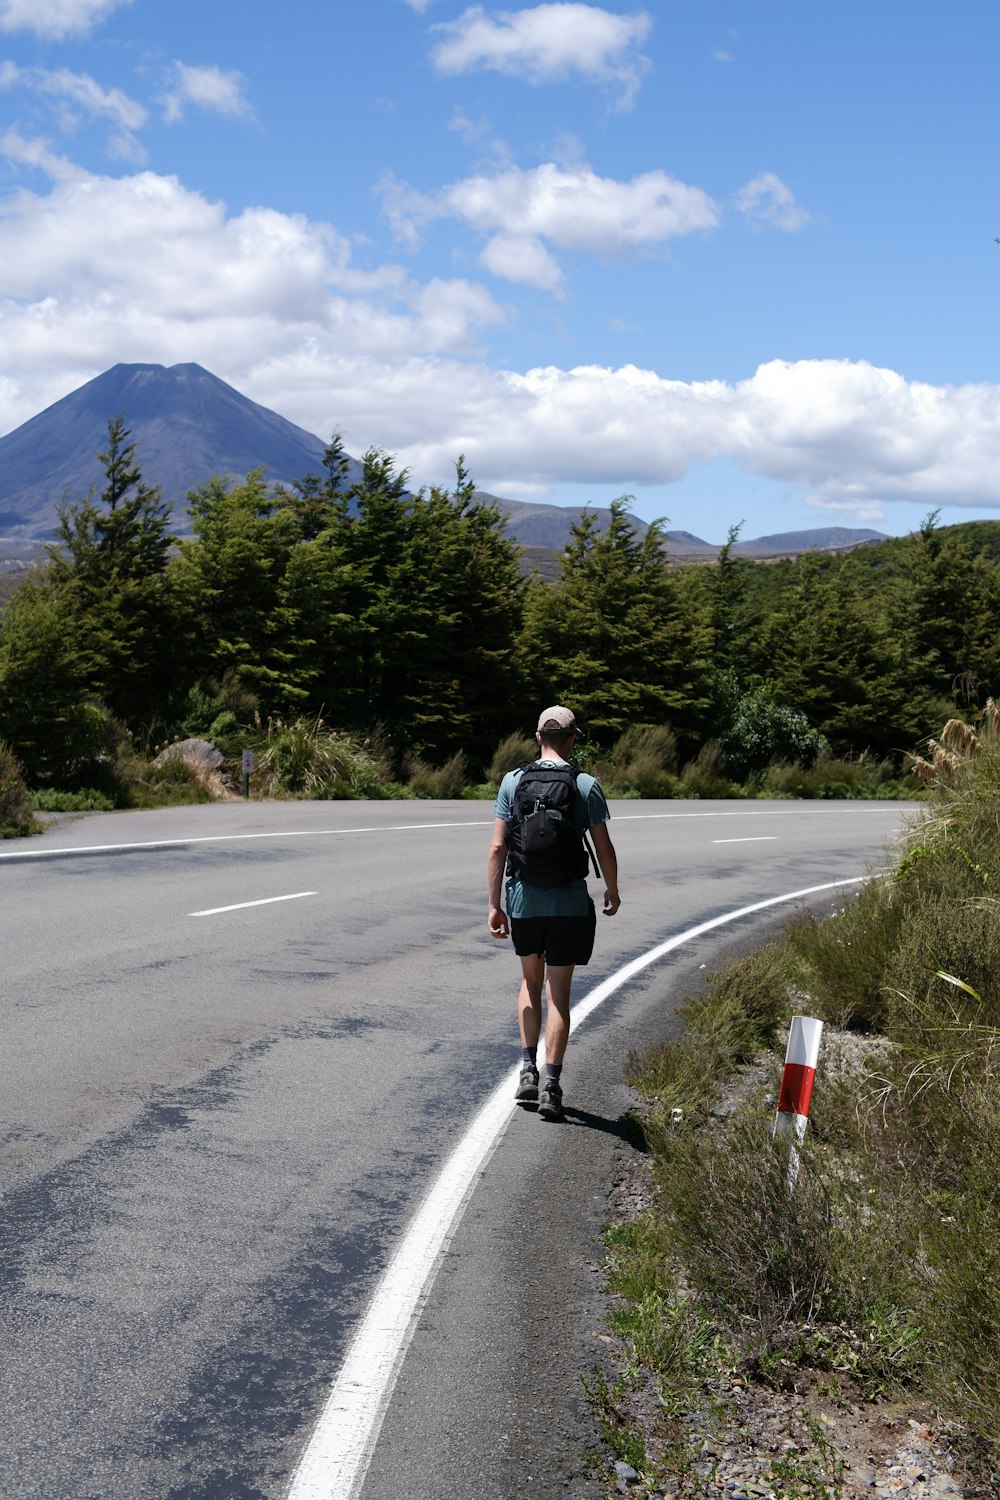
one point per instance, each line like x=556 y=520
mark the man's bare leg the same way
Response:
x=529 y=1000
x=529 y=1021
x=558 y=980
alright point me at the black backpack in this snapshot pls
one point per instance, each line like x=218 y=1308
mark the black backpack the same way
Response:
x=543 y=844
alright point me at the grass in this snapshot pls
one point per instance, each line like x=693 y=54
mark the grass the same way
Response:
x=882 y=1270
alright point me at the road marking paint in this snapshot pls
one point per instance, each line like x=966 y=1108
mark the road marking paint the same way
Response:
x=338 y=1453
x=756 y=838
x=234 y=838
x=213 y=911
x=894 y=808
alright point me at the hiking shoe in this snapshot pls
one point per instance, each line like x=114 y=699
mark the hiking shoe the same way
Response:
x=550 y=1105
x=527 y=1088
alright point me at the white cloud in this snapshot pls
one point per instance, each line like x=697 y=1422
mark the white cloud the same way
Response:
x=78 y=92
x=522 y=257
x=36 y=153
x=571 y=208
x=100 y=269
x=206 y=88
x=55 y=18
x=548 y=42
x=766 y=200
x=848 y=435
x=96 y=270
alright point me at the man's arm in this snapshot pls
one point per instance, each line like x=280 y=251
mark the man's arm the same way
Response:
x=608 y=861
x=497 y=920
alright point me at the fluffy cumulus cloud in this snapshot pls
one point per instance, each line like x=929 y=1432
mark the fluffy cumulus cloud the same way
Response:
x=548 y=42
x=99 y=269
x=766 y=200
x=55 y=18
x=571 y=208
x=95 y=270
x=209 y=88
x=850 y=436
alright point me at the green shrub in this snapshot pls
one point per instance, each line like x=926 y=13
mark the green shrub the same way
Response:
x=509 y=754
x=216 y=710
x=16 y=818
x=440 y=782
x=174 y=782
x=705 y=776
x=758 y=731
x=642 y=763
x=49 y=799
x=832 y=777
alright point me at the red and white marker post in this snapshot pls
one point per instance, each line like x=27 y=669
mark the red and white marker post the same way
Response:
x=801 y=1057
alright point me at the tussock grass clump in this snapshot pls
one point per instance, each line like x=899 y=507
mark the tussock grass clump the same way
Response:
x=737 y=1013
x=759 y=1260
x=16 y=816
x=643 y=763
x=705 y=776
x=846 y=959
x=304 y=758
x=447 y=781
x=832 y=777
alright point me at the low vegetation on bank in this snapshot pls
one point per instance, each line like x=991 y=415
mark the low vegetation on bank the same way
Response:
x=879 y=1276
x=306 y=758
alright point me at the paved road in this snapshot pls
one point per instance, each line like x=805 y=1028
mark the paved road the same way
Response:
x=216 y=1118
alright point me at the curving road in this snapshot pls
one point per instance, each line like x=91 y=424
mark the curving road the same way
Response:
x=238 y=1044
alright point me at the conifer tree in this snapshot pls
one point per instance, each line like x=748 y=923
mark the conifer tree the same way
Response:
x=612 y=636
x=46 y=714
x=109 y=566
x=848 y=663
x=229 y=579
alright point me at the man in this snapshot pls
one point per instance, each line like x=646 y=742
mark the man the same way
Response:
x=552 y=924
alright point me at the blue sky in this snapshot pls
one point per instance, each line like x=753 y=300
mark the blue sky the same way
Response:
x=735 y=259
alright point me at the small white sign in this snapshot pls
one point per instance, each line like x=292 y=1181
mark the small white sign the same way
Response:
x=247 y=762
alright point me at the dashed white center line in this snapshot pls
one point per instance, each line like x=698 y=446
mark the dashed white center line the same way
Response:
x=213 y=911
x=759 y=838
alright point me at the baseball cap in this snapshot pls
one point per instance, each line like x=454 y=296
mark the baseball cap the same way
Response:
x=562 y=720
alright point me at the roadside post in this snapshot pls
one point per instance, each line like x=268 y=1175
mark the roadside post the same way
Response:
x=792 y=1117
x=247 y=768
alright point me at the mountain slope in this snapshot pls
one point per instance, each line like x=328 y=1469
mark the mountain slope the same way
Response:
x=187 y=424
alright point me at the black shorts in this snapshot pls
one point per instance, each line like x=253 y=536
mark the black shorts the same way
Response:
x=559 y=940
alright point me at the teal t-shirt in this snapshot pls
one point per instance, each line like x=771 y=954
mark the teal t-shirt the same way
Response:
x=524 y=900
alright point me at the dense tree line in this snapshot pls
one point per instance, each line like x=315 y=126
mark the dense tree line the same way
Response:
x=407 y=614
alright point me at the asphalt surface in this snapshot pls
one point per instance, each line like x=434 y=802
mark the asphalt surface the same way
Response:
x=214 y=1128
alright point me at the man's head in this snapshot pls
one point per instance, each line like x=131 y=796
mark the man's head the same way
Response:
x=556 y=730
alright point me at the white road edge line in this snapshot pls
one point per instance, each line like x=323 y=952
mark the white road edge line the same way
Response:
x=336 y=1459
x=756 y=838
x=213 y=911
x=312 y=833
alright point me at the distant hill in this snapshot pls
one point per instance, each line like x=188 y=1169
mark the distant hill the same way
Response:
x=535 y=525
x=187 y=423
x=823 y=538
